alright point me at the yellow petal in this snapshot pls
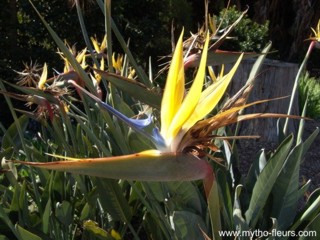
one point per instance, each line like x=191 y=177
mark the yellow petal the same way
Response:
x=81 y=56
x=222 y=70
x=212 y=75
x=210 y=97
x=104 y=43
x=190 y=102
x=115 y=235
x=174 y=89
x=102 y=64
x=212 y=24
x=43 y=78
x=114 y=60
x=95 y=44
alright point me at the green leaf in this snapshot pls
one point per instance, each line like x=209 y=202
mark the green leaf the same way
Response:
x=30 y=91
x=25 y=234
x=312 y=229
x=151 y=225
x=309 y=141
x=89 y=209
x=2 y=237
x=255 y=170
x=85 y=212
x=94 y=138
x=214 y=210
x=186 y=194
x=133 y=88
x=5 y=218
x=187 y=225
x=258 y=63
x=64 y=212
x=311 y=210
x=285 y=191
x=239 y=221
x=76 y=66
x=11 y=137
x=295 y=85
x=108 y=31
x=113 y=200
x=142 y=76
x=60 y=135
x=225 y=199
x=177 y=195
x=218 y=57
x=157 y=216
x=85 y=33
x=23 y=205
x=46 y=217
x=96 y=231
x=302 y=123
x=266 y=181
x=137 y=142
x=14 y=206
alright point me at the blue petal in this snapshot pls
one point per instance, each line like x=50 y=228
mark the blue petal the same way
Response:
x=138 y=125
x=157 y=138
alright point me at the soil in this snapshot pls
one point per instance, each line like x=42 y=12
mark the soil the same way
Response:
x=310 y=167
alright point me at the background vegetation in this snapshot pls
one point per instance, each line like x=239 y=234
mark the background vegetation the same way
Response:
x=148 y=25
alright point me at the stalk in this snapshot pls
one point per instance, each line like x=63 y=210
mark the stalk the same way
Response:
x=296 y=81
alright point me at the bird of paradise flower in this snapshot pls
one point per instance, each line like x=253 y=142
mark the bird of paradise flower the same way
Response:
x=183 y=136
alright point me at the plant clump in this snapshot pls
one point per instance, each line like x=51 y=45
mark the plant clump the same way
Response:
x=248 y=36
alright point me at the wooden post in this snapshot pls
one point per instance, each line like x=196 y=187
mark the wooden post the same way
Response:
x=275 y=79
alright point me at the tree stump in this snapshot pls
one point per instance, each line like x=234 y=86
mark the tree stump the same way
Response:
x=275 y=79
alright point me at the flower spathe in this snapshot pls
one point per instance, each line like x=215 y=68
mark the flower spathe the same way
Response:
x=315 y=39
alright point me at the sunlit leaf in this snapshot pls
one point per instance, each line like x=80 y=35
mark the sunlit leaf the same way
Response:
x=133 y=88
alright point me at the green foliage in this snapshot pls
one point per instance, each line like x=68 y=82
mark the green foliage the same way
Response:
x=309 y=91
x=148 y=24
x=42 y=204
x=247 y=36
x=31 y=37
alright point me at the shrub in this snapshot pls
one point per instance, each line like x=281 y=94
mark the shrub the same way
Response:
x=247 y=36
x=309 y=89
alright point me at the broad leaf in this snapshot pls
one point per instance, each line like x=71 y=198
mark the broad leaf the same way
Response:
x=266 y=181
x=310 y=211
x=71 y=59
x=25 y=234
x=214 y=210
x=312 y=229
x=239 y=221
x=11 y=137
x=286 y=189
x=218 y=57
x=187 y=225
x=133 y=88
x=112 y=200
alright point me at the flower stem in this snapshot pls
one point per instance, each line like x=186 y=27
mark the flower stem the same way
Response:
x=294 y=89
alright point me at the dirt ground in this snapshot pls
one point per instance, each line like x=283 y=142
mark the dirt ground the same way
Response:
x=310 y=168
